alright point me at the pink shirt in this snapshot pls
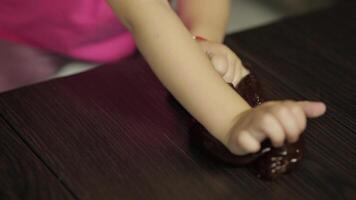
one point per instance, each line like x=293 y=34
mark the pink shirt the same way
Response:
x=82 y=29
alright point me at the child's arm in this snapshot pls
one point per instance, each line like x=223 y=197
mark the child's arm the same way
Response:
x=180 y=64
x=207 y=18
x=187 y=73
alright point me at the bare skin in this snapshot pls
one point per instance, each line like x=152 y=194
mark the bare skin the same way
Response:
x=196 y=72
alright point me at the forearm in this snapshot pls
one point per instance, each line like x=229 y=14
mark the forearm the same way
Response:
x=182 y=67
x=207 y=18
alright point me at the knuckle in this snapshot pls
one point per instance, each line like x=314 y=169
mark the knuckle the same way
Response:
x=269 y=104
x=282 y=110
x=288 y=102
x=266 y=119
x=294 y=108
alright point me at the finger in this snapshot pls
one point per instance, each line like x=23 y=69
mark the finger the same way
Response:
x=287 y=121
x=300 y=117
x=244 y=144
x=220 y=64
x=236 y=80
x=313 y=109
x=272 y=128
x=229 y=76
x=244 y=72
x=238 y=72
x=223 y=60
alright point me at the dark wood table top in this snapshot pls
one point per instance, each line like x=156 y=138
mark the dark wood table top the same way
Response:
x=114 y=133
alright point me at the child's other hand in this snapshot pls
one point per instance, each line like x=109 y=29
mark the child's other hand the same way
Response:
x=225 y=61
x=275 y=120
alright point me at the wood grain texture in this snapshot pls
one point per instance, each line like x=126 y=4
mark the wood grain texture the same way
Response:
x=114 y=133
x=112 y=146
x=122 y=140
x=315 y=55
x=22 y=174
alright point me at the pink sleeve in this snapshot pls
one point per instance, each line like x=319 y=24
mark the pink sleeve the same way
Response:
x=82 y=29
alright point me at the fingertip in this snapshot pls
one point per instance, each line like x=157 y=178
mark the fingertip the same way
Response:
x=293 y=139
x=322 y=106
x=255 y=147
x=317 y=103
x=246 y=144
x=319 y=109
x=244 y=72
x=238 y=151
x=278 y=141
x=314 y=109
x=277 y=144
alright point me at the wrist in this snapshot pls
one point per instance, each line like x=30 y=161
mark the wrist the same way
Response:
x=209 y=35
x=222 y=128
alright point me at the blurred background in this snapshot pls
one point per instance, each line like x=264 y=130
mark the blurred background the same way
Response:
x=245 y=14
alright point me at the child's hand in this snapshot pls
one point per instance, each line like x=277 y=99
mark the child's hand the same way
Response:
x=275 y=120
x=225 y=61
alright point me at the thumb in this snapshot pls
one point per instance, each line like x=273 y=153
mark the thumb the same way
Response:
x=220 y=64
x=216 y=56
x=313 y=109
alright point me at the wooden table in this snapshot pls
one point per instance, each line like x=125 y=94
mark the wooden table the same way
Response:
x=114 y=133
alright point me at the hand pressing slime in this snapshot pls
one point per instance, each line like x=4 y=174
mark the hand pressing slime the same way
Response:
x=269 y=162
